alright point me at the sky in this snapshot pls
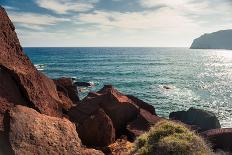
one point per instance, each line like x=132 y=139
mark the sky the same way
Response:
x=116 y=23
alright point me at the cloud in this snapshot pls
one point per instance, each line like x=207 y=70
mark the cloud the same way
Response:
x=66 y=6
x=34 y=20
x=147 y=20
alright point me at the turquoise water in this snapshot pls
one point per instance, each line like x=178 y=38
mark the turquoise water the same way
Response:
x=197 y=78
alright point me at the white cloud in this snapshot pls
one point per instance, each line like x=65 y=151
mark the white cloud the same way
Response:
x=33 y=20
x=146 y=20
x=65 y=6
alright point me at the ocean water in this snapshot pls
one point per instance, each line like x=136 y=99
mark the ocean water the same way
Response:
x=197 y=78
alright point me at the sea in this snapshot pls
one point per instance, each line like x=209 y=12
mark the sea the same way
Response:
x=194 y=78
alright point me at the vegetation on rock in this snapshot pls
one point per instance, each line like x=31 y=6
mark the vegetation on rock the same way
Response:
x=167 y=138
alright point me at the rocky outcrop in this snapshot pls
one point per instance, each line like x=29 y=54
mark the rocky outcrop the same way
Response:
x=217 y=40
x=97 y=130
x=118 y=107
x=141 y=124
x=68 y=88
x=34 y=133
x=202 y=120
x=33 y=87
x=220 y=138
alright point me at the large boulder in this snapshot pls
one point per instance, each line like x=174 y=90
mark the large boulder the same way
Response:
x=33 y=87
x=220 y=138
x=141 y=124
x=33 y=133
x=97 y=130
x=202 y=120
x=68 y=88
x=118 y=107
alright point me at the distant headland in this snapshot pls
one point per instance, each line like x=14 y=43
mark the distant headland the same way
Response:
x=216 y=40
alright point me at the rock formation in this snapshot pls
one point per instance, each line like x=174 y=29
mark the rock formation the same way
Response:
x=220 y=138
x=202 y=120
x=217 y=40
x=33 y=87
x=118 y=107
x=33 y=133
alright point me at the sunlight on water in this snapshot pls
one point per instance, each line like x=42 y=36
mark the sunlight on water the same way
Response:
x=171 y=79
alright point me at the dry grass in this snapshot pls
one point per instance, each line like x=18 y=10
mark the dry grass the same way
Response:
x=169 y=138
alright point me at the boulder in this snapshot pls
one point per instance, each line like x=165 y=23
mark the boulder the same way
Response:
x=33 y=87
x=33 y=133
x=97 y=130
x=219 y=138
x=142 y=104
x=117 y=106
x=202 y=120
x=141 y=124
x=68 y=88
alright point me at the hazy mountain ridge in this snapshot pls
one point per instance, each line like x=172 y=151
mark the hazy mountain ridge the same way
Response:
x=216 y=40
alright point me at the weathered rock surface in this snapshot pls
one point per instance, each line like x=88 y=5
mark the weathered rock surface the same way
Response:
x=220 y=138
x=119 y=108
x=34 y=87
x=202 y=119
x=97 y=130
x=216 y=40
x=67 y=86
x=35 y=133
x=142 y=123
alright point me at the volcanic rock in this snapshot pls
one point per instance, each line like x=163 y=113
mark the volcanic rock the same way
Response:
x=220 y=138
x=117 y=106
x=67 y=86
x=35 y=88
x=35 y=133
x=202 y=119
x=141 y=124
x=97 y=130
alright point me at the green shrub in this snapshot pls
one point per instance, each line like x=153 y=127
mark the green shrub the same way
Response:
x=169 y=138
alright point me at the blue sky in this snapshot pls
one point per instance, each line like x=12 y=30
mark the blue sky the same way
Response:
x=155 y=23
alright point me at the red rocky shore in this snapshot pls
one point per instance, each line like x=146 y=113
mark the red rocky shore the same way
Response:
x=39 y=115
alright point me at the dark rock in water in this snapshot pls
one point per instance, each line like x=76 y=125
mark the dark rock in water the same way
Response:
x=97 y=130
x=219 y=138
x=83 y=84
x=35 y=133
x=68 y=88
x=120 y=108
x=142 y=104
x=217 y=40
x=33 y=87
x=142 y=123
x=202 y=119
x=166 y=87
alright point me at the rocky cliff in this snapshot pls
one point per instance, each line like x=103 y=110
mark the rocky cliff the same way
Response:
x=39 y=115
x=217 y=40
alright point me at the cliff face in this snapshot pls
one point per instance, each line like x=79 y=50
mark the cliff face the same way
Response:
x=217 y=40
x=33 y=88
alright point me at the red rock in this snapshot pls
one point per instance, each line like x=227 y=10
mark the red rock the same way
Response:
x=38 y=90
x=9 y=95
x=35 y=133
x=142 y=104
x=67 y=86
x=66 y=101
x=220 y=138
x=117 y=106
x=97 y=130
x=142 y=124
